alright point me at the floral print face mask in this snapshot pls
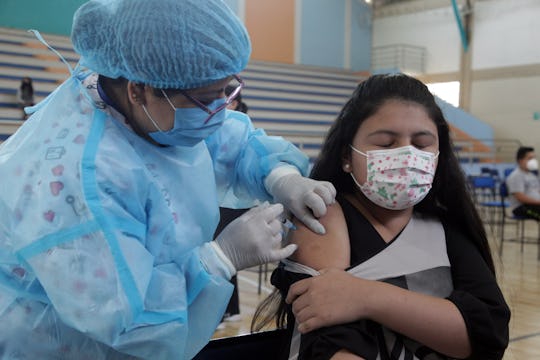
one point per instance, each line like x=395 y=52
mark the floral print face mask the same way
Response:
x=397 y=178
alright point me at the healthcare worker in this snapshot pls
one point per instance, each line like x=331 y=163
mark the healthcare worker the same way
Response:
x=111 y=189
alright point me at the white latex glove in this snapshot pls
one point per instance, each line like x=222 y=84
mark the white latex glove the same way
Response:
x=306 y=198
x=254 y=238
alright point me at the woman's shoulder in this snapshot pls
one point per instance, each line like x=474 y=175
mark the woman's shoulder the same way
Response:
x=323 y=251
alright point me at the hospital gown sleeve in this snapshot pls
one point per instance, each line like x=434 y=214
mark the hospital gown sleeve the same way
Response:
x=243 y=156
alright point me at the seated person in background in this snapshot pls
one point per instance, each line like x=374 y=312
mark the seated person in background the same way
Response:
x=404 y=270
x=524 y=186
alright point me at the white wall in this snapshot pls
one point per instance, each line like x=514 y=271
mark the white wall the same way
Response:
x=506 y=33
x=435 y=30
x=509 y=105
x=506 y=36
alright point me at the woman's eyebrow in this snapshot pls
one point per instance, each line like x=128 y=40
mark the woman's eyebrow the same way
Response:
x=383 y=132
x=395 y=133
x=424 y=132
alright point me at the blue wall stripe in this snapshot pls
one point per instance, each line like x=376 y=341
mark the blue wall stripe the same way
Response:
x=34 y=78
x=26 y=55
x=361 y=36
x=13 y=105
x=322 y=33
x=11 y=42
x=22 y=43
x=13 y=91
x=34 y=67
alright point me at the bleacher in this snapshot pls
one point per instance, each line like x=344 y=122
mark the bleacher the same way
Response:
x=296 y=102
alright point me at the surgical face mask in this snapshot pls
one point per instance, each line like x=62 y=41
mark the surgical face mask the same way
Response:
x=191 y=125
x=532 y=165
x=397 y=178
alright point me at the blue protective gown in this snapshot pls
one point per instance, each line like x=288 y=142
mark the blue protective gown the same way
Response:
x=104 y=237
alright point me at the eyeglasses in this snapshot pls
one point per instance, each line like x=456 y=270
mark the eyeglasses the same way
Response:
x=228 y=100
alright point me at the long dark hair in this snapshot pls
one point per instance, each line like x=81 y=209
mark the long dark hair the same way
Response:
x=450 y=197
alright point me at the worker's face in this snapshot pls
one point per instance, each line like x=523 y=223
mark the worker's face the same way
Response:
x=163 y=113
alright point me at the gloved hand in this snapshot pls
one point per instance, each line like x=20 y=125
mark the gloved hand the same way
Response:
x=254 y=238
x=305 y=198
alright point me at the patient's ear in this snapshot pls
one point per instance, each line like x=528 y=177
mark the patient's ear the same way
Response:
x=346 y=161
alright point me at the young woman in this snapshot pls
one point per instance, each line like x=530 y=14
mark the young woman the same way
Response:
x=404 y=270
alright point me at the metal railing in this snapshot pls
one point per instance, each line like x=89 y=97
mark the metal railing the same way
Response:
x=406 y=58
x=500 y=150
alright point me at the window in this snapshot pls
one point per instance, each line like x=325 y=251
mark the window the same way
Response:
x=448 y=91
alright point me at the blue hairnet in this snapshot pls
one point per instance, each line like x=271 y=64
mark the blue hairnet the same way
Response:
x=180 y=44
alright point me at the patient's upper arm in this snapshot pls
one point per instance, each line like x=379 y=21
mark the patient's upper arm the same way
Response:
x=323 y=251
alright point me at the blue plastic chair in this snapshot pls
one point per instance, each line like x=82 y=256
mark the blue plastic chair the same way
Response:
x=484 y=188
x=508 y=171
x=485 y=196
x=497 y=212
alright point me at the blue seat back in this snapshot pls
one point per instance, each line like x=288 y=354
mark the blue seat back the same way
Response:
x=483 y=182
